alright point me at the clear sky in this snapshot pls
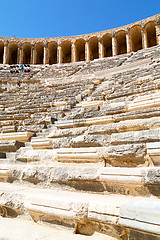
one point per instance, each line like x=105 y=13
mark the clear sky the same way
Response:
x=55 y=18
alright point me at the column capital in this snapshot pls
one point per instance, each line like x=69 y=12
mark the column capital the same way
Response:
x=20 y=44
x=45 y=43
x=157 y=20
x=72 y=44
x=128 y=29
x=33 y=44
x=6 y=42
x=100 y=39
x=113 y=33
x=143 y=26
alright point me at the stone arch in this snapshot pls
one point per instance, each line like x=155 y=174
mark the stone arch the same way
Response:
x=1 y=51
x=80 y=50
x=136 y=38
x=52 y=52
x=121 y=42
x=12 y=53
x=26 y=49
x=150 y=30
x=93 y=48
x=107 y=45
x=39 y=53
x=66 y=51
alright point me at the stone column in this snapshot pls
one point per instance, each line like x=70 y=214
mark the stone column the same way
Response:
x=157 y=20
x=114 y=45
x=73 y=53
x=59 y=54
x=100 y=48
x=144 y=38
x=87 y=52
x=45 y=56
x=5 y=54
x=19 y=55
x=33 y=53
x=128 y=41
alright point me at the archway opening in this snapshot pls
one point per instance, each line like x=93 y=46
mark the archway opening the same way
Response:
x=66 y=52
x=136 y=38
x=52 y=52
x=151 y=34
x=80 y=50
x=107 y=45
x=121 y=42
x=26 y=53
x=1 y=51
x=39 y=53
x=13 y=53
x=93 y=48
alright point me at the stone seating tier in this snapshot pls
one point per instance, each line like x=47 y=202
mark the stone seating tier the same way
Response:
x=96 y=167
x=83 y=211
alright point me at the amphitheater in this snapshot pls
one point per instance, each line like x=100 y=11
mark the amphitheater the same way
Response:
x=80 y=135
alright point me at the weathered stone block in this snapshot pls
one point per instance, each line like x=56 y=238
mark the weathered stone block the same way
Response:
x=20 y=136
x=136 y=136
x=128 y=154
x=96 y=154
x=7 y=129
x=103 y=129
x=10 y=146
x=66 y=132
x=60 y=142
x=143 y=215
x=41 y=143
x=89 y=141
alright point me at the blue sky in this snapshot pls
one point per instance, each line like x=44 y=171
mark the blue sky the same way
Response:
x=55 y=18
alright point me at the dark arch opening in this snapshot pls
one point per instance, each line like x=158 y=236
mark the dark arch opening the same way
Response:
x=13 y=53
x=80 y=50
x=1 y=51
x=136 y=38
x=93 y=48
x=39 y=53
x=107 y=45
x=52 y=52
x=121 y=42
x=66 y=52
x=26 y=53
x=151 y=34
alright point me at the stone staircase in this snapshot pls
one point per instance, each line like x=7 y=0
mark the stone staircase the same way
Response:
x=92 y=171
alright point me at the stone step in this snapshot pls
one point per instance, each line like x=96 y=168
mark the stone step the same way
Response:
x=90 y=154
x=41 y=143
x=83 y=211
x=10 y=155
x=10 y=145
x=20 y=229
x=27 y=154
x=5 y=161
x=6 y=129
x=127 y=181
x=19 y=136
x=31 y=128
x=153 y=150
x=83 y=122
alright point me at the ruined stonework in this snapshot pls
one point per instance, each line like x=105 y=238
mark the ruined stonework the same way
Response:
x=80 y=141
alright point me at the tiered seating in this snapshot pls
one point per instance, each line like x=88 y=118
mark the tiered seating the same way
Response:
x=97 y=167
